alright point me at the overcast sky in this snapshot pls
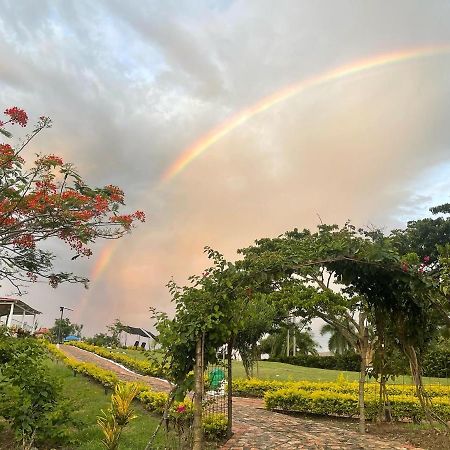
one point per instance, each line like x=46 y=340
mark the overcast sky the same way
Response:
x=130 y=85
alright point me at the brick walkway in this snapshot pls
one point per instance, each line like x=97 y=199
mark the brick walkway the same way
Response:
x=258 y=429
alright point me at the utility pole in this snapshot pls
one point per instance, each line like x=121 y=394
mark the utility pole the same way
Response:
x=294 y=338
x=61 y=308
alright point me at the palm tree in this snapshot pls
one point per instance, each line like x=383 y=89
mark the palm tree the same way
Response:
x=337 y=342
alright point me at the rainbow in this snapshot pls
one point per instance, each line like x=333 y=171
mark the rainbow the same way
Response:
x=99 y=267
x=209 y=139
x=205 y=142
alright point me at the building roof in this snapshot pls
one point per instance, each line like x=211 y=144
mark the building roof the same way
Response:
x=19 y=307
x=139 y=332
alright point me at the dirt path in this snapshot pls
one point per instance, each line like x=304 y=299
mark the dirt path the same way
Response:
x=258 y=429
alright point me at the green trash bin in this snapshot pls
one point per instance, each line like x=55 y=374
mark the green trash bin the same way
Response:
x=216 y=376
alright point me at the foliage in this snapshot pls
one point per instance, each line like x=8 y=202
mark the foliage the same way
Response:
x=152 y=367
x=103 y=340
x=30 y=397
x=48 y=199
x=258 y=317
x=210 y=307
x=336 y=342
x=116 y=418
x=349 y=361
x=257 y=388
x=275 y=343
x=343 y=404
x=66 y=328
x=436 y=362
x=215 y=427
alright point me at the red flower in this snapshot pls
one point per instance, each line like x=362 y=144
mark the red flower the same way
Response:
x=181 y=409
x=17 y=115
x=426 y=259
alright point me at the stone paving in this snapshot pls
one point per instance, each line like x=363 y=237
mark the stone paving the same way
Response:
x=258 y=429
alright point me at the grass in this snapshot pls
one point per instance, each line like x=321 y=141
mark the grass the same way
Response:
x=136 y=354
x=287 y=372
x=88 y=398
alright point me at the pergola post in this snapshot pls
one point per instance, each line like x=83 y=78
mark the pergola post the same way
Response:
x=23 y=318
x=34 y=323
x=10 y=316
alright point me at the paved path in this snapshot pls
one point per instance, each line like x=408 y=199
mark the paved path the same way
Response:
x=258 y=429
x=124 y=374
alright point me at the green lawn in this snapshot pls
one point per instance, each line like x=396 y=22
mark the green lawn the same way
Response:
x=88 y=398
x=136 y=354
x=287 y=372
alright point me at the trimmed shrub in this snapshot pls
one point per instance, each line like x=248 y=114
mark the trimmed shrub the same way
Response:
x=215 y=427
x=403 y=407
x=256 y=387
x=349 y=361
x=142 y=367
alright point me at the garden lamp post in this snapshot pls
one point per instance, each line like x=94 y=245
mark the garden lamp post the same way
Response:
x=61 y=308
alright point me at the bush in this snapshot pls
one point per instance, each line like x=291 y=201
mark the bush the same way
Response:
x=215 y=427
x=256 y=387
x=30 y=397
x=403 y=407
x=151 y=368
x=436 y=363
x=349 y=361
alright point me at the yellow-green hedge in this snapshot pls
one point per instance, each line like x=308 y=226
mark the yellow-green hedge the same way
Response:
x=141 y=367
x=255 y=387
x=214 y=426
x=346 y=404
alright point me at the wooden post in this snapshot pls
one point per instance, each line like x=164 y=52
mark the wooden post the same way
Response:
x=230 y=391
x=198 y=398
x=363 y=344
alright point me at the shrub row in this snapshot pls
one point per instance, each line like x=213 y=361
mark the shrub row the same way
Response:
x=436 y=363
x=256 y=387
x=340 y=404
x=349 y=362
x=214 y=426
x=141 y=367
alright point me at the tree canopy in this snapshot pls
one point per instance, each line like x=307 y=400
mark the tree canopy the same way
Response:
x=48 y=199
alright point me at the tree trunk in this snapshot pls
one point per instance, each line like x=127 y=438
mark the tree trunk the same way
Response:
x=198 y=398
x=418 y=382
x=416 y=374
x=363 y=348
x=287 y=344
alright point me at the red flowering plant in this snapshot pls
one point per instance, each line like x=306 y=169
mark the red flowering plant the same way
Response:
x=46 y=200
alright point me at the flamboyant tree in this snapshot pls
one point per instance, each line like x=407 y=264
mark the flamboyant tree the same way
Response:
x=48 y=199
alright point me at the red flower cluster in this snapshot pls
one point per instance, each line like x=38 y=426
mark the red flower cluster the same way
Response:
x=26 y=240
x=127 y=219
x=115 y=193
x=181 y=408
x=6 y=155
x=50 y=160
x=17 y=116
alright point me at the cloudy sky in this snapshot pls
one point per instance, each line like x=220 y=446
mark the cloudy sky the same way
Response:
x=132 y=85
